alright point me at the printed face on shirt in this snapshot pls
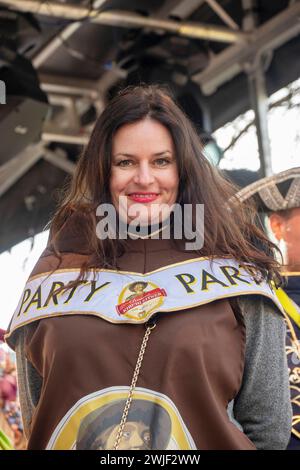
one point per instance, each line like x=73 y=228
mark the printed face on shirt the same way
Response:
x=144 y=171
x=135 y=436
x=153 y=422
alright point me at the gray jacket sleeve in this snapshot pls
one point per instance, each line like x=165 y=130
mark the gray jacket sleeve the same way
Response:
x=29 y=382
x=263 y=406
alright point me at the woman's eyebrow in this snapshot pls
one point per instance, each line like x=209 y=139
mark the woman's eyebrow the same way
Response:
x=161 y=153
x=157 y=154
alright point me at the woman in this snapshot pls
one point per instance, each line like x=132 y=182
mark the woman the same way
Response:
x=204 y=343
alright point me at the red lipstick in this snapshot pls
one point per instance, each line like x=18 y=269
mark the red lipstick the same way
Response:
x=143 y=197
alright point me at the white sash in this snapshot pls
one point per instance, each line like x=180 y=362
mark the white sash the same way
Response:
x=128 y=297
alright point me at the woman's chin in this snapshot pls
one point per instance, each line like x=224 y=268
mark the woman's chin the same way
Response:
x=145 y=217
x=143 y=222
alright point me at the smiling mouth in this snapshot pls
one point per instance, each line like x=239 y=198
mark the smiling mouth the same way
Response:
x=143 y=197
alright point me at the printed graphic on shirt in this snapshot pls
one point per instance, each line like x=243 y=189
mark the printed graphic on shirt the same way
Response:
x=138 y=299
x=153 y=422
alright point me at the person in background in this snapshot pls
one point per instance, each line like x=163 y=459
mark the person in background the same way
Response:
x=11 y=428
x=278 y=197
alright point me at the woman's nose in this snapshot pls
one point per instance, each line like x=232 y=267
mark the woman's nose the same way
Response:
x=144 y=175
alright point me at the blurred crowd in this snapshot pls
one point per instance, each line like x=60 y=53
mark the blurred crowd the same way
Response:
x=11 y=429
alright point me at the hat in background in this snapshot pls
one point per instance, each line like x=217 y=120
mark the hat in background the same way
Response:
x=274 y=193
x=241 y=177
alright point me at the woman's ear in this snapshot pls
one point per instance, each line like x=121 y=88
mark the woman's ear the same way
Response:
x=277 y=224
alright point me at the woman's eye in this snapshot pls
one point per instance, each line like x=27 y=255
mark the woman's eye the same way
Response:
x=162 y=161
x=158 y=162
x=124 y=163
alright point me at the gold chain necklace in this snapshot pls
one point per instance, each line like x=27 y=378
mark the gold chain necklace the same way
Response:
x=150 y=325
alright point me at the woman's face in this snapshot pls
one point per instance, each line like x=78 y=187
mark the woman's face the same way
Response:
x=144 y=171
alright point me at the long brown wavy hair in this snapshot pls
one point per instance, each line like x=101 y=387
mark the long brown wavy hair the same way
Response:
x=230 y=228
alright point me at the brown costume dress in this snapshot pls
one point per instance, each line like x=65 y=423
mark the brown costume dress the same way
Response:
x=192 y=368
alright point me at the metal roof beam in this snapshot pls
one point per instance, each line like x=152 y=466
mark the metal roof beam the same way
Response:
x=68 y=31
x=15 y=168
x=126 y=19
x=59 y=161
x=232 y=60
x=219 y=10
